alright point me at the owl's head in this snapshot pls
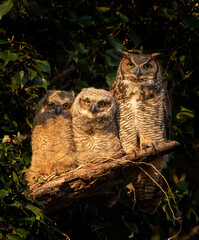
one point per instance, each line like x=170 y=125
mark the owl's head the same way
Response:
x=55 y=103
x=139 y=67
x=94 y=103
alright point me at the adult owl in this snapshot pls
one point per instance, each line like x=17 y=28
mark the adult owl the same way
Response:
x=53 y=147
x=143 y=101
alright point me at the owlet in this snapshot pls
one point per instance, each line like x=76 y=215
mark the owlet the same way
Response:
x=53 y=145
x=140 y=91
x=94 y=124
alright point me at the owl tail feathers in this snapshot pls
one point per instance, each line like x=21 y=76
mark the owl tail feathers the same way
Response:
x=148 y=190
x=150 y=205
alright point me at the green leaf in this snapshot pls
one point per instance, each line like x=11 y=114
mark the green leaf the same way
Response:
x=41 y=82
x=8 y=56
x=167 y=13
x=31 y=73
x=103 y=9
x=37 y=211
x=20 y=79
x=27 y=158
x=5 y=7
x=15 y=178
x=124 y=18
x=79 y=84
x=14 y=237
x=85 y=20
x=110 y=78
x=134 y=37
x=191 y=21
x=190 y=212
x=22 y=232
x=182 y=186
x=184 y=112
x=29 y=124
x=6 y=129
x=80 y=47
x=15 y=204
x=3 y=42
x=43 y=66
x=6 y=138
x=116 y=43
x=112 y=58
x=15 y=124
x=3 y=193
x=73 y=55
x=41 y=179
x=1 y=236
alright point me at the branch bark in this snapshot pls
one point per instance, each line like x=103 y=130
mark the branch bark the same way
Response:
x=94 y=178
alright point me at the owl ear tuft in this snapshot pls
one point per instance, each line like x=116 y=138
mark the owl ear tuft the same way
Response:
x=73 y=93
x=156 y=55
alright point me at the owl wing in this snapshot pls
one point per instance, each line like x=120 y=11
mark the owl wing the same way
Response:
x=119 y=89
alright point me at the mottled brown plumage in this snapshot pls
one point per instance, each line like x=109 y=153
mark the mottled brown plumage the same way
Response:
x=95 y=131
x=94 y=124
x=53 y=147
x=144 y=114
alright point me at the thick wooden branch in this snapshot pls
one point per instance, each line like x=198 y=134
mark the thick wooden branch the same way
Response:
x=93 y=179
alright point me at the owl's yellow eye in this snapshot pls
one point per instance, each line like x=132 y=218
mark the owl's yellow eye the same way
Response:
x=101 y=104
x=66 y=106
x=87 y=101
x=130 y=64
x=51 y=105
x=147 y=66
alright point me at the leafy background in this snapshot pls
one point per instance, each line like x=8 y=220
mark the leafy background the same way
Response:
x=69 y=45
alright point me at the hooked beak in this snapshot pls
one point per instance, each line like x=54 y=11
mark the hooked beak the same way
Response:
x=138 y=73
x=58 y=110
x=93 y=108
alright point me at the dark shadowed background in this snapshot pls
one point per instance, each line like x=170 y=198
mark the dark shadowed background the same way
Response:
x=69 y=45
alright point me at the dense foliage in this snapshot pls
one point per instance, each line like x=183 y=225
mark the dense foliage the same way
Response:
x=69 y=45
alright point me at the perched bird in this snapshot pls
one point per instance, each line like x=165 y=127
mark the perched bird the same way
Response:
x=140 y=92
x=53 y=147
x=95 y=129
x=94 y=125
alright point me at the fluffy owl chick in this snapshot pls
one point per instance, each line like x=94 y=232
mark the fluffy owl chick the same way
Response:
x=53 y=145
x=95 y=130
x=144 y=115
x=94 y=124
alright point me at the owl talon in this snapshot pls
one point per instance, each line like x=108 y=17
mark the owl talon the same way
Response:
x=123 y=152
x=153 y=147
x=144 y=146
x=134 y=151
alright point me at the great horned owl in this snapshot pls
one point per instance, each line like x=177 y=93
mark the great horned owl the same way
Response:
x=53 y=145
x=94 y=124
x=96 y=132
x=144 y=116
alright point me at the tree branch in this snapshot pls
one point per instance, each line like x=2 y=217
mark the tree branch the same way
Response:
x=62 y=75
x=94 y=178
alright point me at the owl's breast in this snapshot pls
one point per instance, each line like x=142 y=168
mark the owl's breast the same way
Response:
x=148 y=92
